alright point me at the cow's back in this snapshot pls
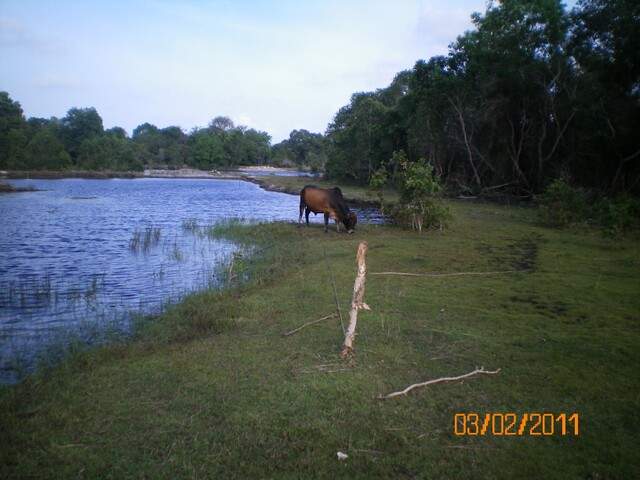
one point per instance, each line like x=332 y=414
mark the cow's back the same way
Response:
x=315 y=199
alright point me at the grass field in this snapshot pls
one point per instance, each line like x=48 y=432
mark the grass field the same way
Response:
x=212 y=388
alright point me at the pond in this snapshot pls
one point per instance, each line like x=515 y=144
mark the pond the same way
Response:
x=79 y=257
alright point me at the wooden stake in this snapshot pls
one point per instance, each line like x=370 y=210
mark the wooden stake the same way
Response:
x=356 y=303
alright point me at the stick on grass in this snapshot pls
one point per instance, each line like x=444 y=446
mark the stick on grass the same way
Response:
x=437 y=380
x=333 y=315
x=457 y=274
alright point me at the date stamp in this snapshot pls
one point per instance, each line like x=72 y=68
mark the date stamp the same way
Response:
x=514 y=424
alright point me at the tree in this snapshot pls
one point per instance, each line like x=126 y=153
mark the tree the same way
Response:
x=354 y=137
x=367 y=131
x=94 y=154
x=12 y=132
x=221 y=124
x=207 y=151
x=515 y=61
x=117 y=132
x=604 y=43
x=46 y=151
x=255 y=148
x=79 y=125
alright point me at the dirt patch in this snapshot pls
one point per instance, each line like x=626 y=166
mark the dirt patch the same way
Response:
x=519 y=254
x=549 y=309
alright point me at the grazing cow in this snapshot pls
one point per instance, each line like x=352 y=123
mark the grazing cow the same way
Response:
x=328 y=201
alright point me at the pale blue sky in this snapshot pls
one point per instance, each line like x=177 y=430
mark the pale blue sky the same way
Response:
x=270 y=65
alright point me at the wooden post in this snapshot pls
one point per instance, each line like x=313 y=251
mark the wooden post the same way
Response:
x=356 y=302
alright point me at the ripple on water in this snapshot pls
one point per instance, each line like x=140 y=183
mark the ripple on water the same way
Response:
x=67 y=269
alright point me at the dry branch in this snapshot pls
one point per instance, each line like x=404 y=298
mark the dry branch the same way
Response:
x=356 y=303
x=333 y=315
x=458 y=274
x=437 y=380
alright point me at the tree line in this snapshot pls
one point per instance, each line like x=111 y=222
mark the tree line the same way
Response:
x=530 y=94
x=78 y=141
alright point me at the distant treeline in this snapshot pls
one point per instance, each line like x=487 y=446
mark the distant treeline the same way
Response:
x=532 y=93
x=79 y=141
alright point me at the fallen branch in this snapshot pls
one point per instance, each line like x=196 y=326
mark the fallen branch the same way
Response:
x=437 y=380
x=333 y=315
x=458 y=274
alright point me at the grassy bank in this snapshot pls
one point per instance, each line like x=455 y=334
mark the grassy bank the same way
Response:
x=354 y=194
x=212 y=388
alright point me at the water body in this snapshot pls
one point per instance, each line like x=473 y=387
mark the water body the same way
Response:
x=78 y=255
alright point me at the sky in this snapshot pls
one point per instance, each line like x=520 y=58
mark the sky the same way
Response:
x=271 y=65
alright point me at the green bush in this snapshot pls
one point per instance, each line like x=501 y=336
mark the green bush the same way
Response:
x=562 y=204
x=420 y=206
x=617 y=216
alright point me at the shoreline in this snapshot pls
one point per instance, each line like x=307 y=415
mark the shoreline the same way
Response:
x=147 y=173
x=183 y=173
x=263 y=181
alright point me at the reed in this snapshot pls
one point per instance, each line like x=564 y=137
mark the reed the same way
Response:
x=143 y=239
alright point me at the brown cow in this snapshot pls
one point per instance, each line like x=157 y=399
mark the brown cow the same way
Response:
x=328 y=201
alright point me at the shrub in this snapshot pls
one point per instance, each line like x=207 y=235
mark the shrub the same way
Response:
x=563 y=204
x=420 y=206
x=617 y=216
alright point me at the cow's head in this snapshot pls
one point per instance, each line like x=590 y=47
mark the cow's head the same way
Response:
x=350 y=221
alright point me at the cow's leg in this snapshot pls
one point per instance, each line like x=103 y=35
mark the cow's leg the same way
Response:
x=326 y=223
x=302 y=207
x=337 y=226
x=307 y=212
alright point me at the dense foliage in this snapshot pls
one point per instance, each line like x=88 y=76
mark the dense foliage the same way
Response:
x=531 y=94
x=563 y=205
x=79 y=141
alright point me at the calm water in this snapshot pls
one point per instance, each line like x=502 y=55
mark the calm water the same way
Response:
x=67 y=262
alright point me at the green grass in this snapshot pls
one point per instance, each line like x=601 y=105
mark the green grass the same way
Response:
x=353 y=193
x=212 y=388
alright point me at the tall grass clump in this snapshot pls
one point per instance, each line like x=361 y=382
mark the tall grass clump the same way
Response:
x=228 y=228
x=143 y=240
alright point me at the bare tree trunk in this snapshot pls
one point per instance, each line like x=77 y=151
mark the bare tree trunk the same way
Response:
x=466 y=142
x=356 y=302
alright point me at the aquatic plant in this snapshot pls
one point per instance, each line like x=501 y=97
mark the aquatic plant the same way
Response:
x=190 y=225
x=143 y=240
